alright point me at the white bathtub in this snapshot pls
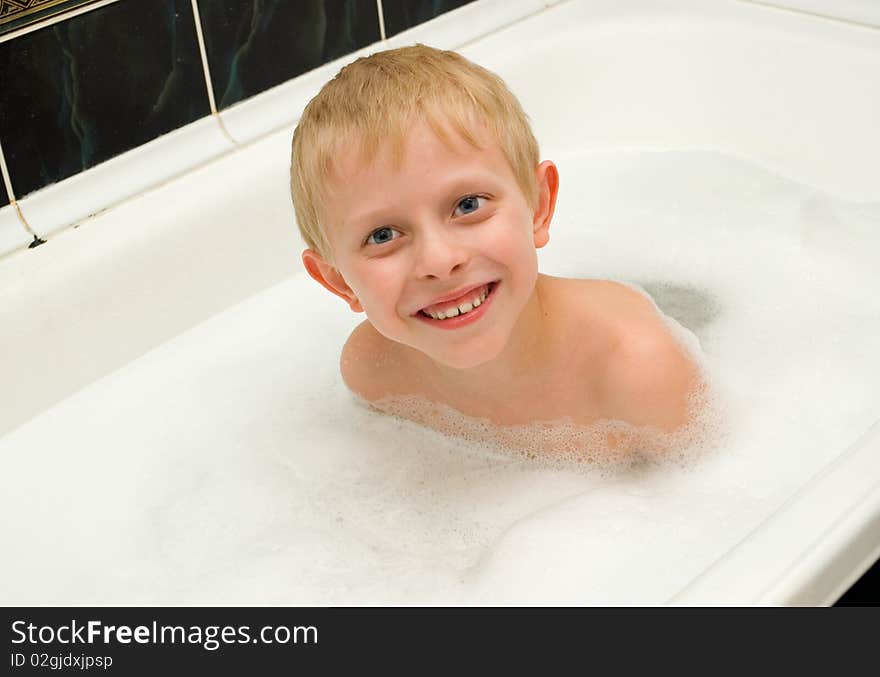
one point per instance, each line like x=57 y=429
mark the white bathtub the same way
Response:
x=173 y=428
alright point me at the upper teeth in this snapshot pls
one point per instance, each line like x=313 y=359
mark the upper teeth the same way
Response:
x=462 y=308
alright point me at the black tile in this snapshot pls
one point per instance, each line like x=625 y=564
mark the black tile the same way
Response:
x=84 y=90
x=253 y=45
x=4 y=198
x=403 y=14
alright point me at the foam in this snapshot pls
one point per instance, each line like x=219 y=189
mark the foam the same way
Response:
x=563 y=444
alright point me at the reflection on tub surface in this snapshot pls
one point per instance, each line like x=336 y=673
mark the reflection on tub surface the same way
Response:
x=230 y=465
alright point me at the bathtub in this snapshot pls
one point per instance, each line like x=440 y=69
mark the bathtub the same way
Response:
x=174 y=429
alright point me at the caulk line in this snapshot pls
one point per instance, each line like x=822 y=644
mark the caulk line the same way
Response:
x=7 y=183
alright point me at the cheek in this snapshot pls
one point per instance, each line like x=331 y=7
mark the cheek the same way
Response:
x=376 y=286
x=514 y=228
x=515 y=245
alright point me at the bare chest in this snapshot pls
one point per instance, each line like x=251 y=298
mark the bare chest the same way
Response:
x=567 y=387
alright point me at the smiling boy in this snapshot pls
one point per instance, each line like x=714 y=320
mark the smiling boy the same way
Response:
x=418 y=189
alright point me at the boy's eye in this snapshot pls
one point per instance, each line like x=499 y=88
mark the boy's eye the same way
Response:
x=469 y=204
x=381 y=235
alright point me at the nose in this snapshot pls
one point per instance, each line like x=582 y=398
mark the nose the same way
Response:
x=441 y=253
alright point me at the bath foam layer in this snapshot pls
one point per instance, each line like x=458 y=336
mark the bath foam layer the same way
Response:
x=607 y=445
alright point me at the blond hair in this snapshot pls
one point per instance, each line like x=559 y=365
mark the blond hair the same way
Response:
x=376 y=99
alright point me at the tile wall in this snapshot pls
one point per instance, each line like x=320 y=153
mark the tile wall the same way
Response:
x=78 y=92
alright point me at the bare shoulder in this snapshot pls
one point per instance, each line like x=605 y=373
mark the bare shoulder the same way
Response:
x=368 y=363
x=648 y=373
x=358 y=362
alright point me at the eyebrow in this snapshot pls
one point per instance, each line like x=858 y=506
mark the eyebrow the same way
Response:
x=459 y=184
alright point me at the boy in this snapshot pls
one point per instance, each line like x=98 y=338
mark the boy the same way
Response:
x=417 y=186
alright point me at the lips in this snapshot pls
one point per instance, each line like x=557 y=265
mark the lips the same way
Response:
x=455 y=298
x=471 y=315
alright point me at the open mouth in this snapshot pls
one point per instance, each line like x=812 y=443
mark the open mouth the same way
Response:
x=469 y=305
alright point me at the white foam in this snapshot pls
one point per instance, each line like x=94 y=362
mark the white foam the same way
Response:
x=231 y=465
x=606 y=445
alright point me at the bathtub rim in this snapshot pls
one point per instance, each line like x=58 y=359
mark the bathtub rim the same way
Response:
x=823 y=539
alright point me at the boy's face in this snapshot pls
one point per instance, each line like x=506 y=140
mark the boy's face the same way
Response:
x=450 y=220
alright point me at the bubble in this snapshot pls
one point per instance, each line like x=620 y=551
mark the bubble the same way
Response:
x=605 y=445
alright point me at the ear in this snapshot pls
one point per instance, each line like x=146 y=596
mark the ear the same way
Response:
x=548 y=186
x=330 y=278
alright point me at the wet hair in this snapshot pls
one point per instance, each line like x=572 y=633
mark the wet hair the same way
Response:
x=377 y=98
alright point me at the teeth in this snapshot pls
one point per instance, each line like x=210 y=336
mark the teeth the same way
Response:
x=463 y=308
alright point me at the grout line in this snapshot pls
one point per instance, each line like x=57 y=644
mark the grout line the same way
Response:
x=63 y=16
x=293 y=121
x=7 y=182
x=201 y=39
x=381 y=20
x=209 y=85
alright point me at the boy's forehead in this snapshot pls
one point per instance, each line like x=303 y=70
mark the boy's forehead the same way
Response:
x=356 y=153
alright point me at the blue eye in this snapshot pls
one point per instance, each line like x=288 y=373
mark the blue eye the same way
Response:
x=381 y=235
x=469 y=204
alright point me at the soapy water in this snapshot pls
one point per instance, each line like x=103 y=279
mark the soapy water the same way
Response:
x=231 y=465
x=606 y=446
